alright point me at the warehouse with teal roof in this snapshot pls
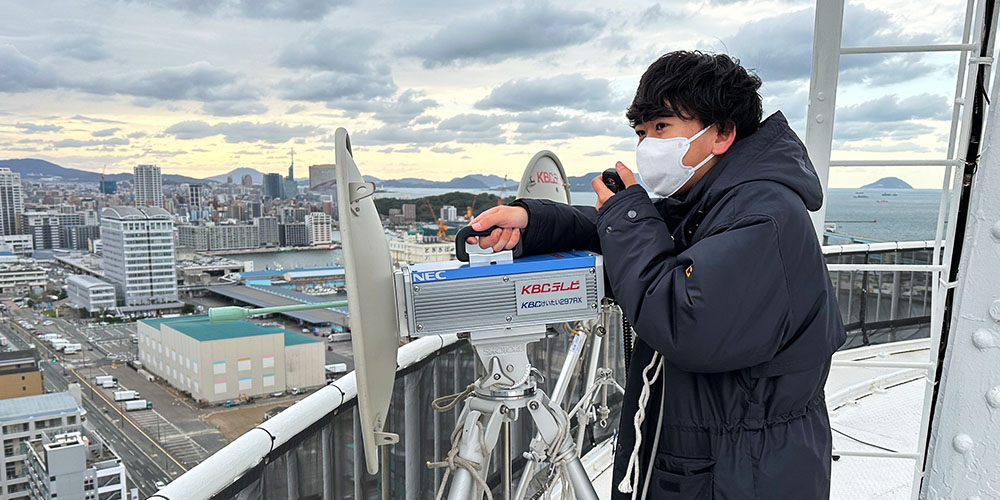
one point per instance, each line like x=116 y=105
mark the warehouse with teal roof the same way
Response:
x=217 y=362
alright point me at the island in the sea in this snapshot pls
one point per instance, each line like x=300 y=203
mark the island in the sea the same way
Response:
x=888 y=183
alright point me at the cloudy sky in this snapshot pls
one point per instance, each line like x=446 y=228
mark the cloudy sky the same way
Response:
x=433 y=89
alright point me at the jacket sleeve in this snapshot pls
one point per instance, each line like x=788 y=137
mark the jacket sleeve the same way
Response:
x=557 y=227
x=720 y=305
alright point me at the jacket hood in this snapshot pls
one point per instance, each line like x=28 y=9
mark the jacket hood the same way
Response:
x=772 y=153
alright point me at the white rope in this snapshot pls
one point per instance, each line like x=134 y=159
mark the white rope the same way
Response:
x=453 y=461
x=629 y=483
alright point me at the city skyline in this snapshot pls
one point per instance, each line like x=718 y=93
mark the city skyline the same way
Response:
x=433 y=91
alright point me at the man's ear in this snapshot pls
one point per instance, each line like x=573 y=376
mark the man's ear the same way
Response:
x=724 y=139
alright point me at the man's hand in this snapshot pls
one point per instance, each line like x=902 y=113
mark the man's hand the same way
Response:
x=603 y=193
x=511 y=219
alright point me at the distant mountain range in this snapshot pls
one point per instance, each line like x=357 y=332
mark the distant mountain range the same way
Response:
x=888 y=183
x=31 y=168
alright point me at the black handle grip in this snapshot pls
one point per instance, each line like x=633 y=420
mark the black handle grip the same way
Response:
x=463 y=234
x=612 y=180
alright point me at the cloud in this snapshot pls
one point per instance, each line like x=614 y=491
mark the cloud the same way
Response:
x=295 y=108
x=136 y=135
x=293 y=10
x=350 y=91
x=105 y=132
x=19 y=73
x=345 y=51
x=510 y=32
x=447 y=149
x=76 y=143
x=91 y=119
x=780 y=47
x=234 y=108
x=404 y=108
x=236 y=132
x=87 y=48
x=464 y=128
x=890 y=108
x=200 y=81
x=568 y=128
x=568 y=91
x=31 y=128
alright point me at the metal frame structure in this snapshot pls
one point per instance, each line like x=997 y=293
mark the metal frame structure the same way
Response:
x=827 y=50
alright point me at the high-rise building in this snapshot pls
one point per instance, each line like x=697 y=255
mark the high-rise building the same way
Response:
x=11 y=202
x=109 y=187
x=77 y=237
x=449 y=213
x=322 y=176
x=139 y=254
x=197 y=201
x=293 y=234
x=273 y=184
x=267 y=230
x=247 y=180
x=319 y=226
x=45 y=227
x=148 y=186
x=23 y=420
x=409 y=213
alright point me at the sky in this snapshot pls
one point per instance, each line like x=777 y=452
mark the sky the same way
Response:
x=435 y=89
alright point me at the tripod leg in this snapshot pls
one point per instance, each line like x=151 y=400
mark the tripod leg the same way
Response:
x=475 y=447
x=553 y=425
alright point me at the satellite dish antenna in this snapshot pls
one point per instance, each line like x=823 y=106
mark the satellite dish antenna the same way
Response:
x=544 y=178
x=369 y=280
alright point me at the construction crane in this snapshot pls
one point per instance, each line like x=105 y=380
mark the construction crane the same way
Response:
x=442 y=228
x=468 y=209
x=503 y=191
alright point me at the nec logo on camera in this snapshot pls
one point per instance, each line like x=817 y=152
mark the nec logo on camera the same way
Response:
x=558 y=286
x=428 y=276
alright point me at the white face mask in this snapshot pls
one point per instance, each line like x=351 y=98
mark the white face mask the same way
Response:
x=661 y=162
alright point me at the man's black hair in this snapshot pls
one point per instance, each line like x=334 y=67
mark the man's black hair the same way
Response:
x=712 y=88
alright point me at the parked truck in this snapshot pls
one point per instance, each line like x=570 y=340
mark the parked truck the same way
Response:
x=126 y=395
x=48 y=337
x=138 y=404
x=104 y=380
x=71 y=348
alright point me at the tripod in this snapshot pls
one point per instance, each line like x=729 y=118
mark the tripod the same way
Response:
x=494 y=401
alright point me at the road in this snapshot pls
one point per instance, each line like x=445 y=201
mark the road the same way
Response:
x=145 y=460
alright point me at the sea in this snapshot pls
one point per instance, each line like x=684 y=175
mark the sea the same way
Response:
x=872 y=215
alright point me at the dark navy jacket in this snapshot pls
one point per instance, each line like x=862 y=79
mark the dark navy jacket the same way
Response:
x=729 y=285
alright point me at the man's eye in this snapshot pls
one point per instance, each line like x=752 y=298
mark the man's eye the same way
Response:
x=640 y=133
x=661 y=126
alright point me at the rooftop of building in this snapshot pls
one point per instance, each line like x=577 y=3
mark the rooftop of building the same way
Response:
x=97 y=451
x=88 y=281
x=122 y=213
x=202 y=330
x=17 y=357
x=42 y=405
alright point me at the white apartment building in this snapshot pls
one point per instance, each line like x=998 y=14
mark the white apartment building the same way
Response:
x=449 y=213
x=26 y=419
x=18 y=279
x=138 y=246
x=318 y=224
x=11 y=202
x=20 y=244
x=148 y=186
x=90 y=293
x=320 y=175
x=414 y=248
x=75 y=466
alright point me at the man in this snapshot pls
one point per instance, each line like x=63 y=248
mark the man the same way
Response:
x=724 y=282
